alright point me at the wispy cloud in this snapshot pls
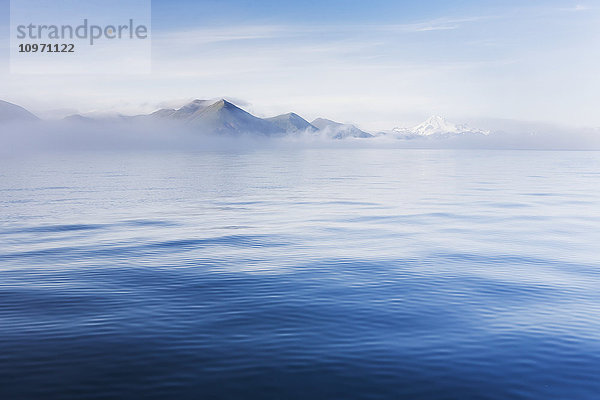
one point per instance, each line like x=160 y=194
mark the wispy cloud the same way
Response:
x=220 y=34
x=263 y=32
x=578 y=7
x=436 y=24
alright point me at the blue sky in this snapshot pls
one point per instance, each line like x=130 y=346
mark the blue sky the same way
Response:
x=380 y=63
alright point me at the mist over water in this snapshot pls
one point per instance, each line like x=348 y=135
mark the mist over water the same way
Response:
x=310 y=273
x=139 y=134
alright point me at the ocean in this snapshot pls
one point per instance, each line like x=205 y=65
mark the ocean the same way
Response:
x=332 y=273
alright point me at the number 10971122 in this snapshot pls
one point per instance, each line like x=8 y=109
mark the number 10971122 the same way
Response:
x=46 y=48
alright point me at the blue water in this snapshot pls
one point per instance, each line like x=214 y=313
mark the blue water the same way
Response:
x=295 y=274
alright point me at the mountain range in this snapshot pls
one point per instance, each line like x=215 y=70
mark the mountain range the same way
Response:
x=225 y=118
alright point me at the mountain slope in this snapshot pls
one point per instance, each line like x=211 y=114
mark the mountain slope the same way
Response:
x=292 y=123
x=224 y=117
x=221 y=117
x=336 y=130
x=184 y=113
x=11 y=112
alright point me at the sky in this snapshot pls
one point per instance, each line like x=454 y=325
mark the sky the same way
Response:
x=379 y=64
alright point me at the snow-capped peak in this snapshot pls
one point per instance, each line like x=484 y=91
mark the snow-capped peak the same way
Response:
x=437 y=125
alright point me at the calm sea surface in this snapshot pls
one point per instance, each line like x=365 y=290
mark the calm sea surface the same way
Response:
x=295 y=274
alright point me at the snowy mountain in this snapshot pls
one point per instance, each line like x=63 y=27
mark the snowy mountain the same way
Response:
x=292 y=123
x=11 y=112
x=336 y=130
x=438 y=126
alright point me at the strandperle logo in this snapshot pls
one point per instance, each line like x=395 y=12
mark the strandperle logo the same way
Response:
x=73 y=37
x=85 y=30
